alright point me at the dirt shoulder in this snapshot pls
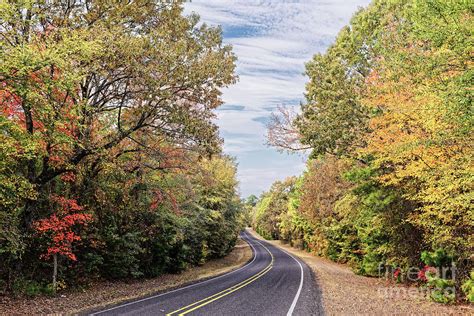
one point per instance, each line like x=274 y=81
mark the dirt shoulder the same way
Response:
x=109 y=293
x=345 y=293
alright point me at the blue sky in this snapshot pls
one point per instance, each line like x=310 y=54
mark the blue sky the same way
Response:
x=272 y=40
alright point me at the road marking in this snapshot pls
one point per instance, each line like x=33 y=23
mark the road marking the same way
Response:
x=229 y=290
x=186 y=287
x=297 y=296
x=225 y=294
x=222 y=293
x=295 y=299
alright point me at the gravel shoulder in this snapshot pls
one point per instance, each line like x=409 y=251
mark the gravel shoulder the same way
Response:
x=110 y=293
x=345 y=293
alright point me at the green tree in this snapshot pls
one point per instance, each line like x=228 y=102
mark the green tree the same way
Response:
x=271 y=206
x=111 y=106
x=144 y=68
x=392 y=100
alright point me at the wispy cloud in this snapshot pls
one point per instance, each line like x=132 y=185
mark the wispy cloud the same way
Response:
x=272 y=40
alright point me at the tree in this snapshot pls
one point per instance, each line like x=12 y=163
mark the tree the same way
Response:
x=392 y=94
x=271 y=206
x=283 y=133
x=111 y=105
x=251 y=200
x=60 y=228
x=216 y=190
x=423 y=129
x=166 y=86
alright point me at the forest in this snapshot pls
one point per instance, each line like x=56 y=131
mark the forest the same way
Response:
x=388 y=120
x=111 y=165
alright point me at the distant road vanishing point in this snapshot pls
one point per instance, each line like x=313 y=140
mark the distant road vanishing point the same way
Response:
x=272 y=283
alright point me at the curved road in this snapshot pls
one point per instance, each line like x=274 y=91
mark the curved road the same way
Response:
x=272 y=283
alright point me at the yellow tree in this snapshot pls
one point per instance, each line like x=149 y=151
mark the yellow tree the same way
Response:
x=422 y=136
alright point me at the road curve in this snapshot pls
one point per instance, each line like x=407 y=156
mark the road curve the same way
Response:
x=272 y=283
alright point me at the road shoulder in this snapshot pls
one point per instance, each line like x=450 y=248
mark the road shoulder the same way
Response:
x=345 y=293
x=110 y=293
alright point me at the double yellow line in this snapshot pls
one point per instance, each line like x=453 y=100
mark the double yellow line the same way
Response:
x=192 y=307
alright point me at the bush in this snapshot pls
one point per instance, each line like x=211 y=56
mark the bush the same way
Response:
x=441 y=290
x=31 y=288
x=437 y=258
x=468 y=287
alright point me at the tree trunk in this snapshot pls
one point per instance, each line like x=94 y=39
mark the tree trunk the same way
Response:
x=55 y=271
x=29 y=209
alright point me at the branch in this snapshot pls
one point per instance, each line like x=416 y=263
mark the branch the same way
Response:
x=282 y=132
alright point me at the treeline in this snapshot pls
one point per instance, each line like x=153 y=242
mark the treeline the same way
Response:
x=110 y=164
x=388 y=117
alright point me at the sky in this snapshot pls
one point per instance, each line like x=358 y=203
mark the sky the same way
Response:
x=272 y=40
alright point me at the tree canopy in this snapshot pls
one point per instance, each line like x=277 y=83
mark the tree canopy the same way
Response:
x=110 y=160
x=388 y=116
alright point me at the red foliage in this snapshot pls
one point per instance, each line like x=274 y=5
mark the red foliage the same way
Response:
x=157 y=200
x=397 y=272
x=174 y=204
x=160 y=198
x=10 y=105
x=60 y=226
x=423 y=271
x=68 y=177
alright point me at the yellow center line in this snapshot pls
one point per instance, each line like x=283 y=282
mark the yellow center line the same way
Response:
x=225 y=294
x=227 y=291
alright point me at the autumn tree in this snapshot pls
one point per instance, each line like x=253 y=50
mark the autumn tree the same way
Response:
x=59 y=228
x=391 y=101
x=271 y=206
x=110 y=105
x=143 y=66
x=423 y=131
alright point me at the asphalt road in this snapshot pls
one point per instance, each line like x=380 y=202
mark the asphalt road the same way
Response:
x=272 y=283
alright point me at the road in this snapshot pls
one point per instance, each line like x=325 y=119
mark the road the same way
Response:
x=272 y=283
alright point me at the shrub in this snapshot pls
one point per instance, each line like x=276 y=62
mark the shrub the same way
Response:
x=468 y=287
x=441 y=290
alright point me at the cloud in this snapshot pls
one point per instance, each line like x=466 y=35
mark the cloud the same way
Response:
x=258 y=169
x=272 y=40
x=262 y=119
x=230 y=107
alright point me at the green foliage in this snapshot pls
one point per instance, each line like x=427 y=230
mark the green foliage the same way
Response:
x=294 y=228
x=442 y=290
x=260 y=214
x=438 y=258
x=110 y=107
x=468 y=287
x=16 y=147
x=332 y=120
x=388 y=116
x=271 y=208
x=247 y=213
x=122 y=256
x=30 y=288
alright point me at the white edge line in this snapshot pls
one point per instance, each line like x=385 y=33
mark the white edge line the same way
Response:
x=297 y=296
x=183 y=288
x=268 y=250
